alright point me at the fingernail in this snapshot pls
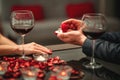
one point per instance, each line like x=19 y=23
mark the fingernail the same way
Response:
x=50 y=50
x=55 y=33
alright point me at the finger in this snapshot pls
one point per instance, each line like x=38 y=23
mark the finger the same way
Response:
x=62 y=37
x=42 y=48
x=75 y=22
x=39 y=52
x=58 y=31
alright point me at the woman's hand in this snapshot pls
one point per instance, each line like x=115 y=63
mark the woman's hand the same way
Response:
x=32 y=48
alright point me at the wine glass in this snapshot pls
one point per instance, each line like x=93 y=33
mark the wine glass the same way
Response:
x=95 y=27
x=22 y=22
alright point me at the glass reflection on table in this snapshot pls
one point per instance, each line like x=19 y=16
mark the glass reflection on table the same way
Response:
x=95 y=74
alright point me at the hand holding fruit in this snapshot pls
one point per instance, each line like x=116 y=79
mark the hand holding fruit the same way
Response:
x=71 y=31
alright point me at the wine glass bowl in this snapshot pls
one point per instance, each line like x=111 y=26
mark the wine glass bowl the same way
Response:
x=22 y=22
x=95 y=27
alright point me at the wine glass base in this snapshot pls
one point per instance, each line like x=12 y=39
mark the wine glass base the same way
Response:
x=25 y=58
x=92 y=65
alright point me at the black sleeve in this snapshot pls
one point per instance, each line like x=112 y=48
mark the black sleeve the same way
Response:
x=105 y=49
x=111 y=36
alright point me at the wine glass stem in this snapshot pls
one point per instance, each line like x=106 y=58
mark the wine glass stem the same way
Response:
x=93 y=50
x=23 y=54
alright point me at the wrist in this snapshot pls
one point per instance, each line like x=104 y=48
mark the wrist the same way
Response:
x=82 y=40
x=19 y=49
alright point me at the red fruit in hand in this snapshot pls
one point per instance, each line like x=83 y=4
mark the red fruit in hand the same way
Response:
x=66 y=26
x=72 y=26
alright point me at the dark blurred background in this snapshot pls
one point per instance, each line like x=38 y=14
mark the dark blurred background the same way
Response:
x=53 y=12
x=108 y=7
x=116 y=8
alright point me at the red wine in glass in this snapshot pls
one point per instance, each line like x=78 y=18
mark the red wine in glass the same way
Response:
x=93 y=33
x=22 y=31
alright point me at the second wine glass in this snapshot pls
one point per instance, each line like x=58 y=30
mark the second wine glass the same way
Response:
x=95 y=27
x=22 y=22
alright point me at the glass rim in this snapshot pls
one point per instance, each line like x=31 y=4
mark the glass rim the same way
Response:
x=21 y=11
x=93 y=14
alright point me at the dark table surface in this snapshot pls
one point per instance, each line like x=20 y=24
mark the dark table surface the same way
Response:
x=75 y=58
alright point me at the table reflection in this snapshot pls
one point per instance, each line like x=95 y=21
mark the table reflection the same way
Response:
x=94 y=74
